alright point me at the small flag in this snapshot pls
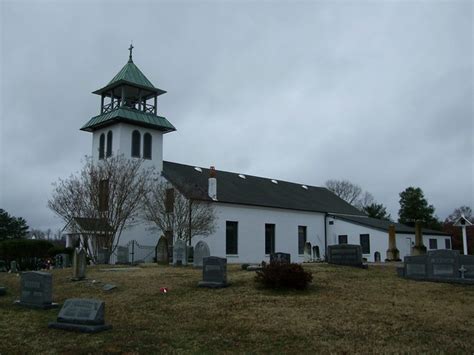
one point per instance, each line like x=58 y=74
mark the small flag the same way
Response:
x=164 y=290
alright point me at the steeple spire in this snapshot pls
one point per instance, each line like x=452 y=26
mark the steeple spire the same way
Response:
x=130 y=60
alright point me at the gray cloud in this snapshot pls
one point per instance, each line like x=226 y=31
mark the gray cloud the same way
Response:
x=377 y=93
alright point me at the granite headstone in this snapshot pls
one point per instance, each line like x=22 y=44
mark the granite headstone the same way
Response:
x=282 y=258
x=162 y=256
x=214 y=272
x=345 y=254
x=79 y=265
x=179 y=253
x=81 y=315
x=201 y=251
x=36 y=290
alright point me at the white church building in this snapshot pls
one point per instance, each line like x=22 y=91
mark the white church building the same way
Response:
x=256 y=216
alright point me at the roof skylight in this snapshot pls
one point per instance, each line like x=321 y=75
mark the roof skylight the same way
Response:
x=304 y=187
x=198 y=169
x=274 y=181
x=242 y=176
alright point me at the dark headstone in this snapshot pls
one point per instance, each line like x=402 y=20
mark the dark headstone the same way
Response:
x=81 y=315
x=345 y=254
x=13 y=267
x=162 y=251
x=79 y=265
x=201 y=251
x=122 y=255
x=440 y=266
x=36 y=290
x=282 y=258
x=3 y=290
x=3 y=266
x=467 y=262
x=214 y=272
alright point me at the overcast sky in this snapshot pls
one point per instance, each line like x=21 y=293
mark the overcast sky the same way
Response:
x=376 y=92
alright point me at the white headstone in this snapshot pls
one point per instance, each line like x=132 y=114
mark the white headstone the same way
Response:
x=201 y=251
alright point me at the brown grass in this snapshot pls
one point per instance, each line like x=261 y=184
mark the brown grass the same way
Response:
x=345 y=310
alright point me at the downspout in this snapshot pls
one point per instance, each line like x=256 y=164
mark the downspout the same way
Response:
x=325 y=236
x=189 y=227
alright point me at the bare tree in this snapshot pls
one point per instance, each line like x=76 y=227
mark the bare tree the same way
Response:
x=108 y=192
x=466 y=211
x=346 y=190
x=169 y=210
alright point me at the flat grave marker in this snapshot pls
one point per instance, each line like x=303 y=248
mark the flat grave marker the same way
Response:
x=82 y=315
x=282 y=258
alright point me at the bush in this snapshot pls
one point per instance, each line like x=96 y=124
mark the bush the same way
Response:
x=25 y=251
x=244 y=266
x=284 y=276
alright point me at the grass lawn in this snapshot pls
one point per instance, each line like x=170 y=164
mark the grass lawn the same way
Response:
x=345 y=310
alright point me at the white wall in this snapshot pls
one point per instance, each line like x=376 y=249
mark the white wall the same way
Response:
x=122 y=143
x=251 y=232
x=378 y=238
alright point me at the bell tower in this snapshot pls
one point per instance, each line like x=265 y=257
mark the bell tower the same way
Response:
x=128 y=122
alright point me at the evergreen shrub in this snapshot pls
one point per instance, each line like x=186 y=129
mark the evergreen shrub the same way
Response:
x=284 y=276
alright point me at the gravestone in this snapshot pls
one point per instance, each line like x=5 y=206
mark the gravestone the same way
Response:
x=122 y=255
x=440 y=266
x=393 y=254
x=189 y=254
x=3 y=266
x=201 y=251
x=307 y=252
x=103 y=256
x=316 y=253
x=467 y=262
x=58 y=261
x=443 y=263
x=36 y=290
x=13 y=267
x=66 y=260
x=282 y=258
x=82 y=315
x=179 y=253
x=214 y=272
x=79 y=265
x=419 y=248
x=345 y=254
x=162 y=256
x=3 y=290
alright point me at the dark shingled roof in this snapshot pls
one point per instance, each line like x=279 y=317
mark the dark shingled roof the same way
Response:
x=255 y=191
x=383 y=225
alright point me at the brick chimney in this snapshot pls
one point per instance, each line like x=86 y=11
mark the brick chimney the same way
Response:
x=212 y=183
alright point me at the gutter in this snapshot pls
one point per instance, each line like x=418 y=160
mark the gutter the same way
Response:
x=325 y=236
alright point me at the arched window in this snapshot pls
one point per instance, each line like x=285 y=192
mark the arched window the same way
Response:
x=147 y=146
x=101 y=146
x=109 y=144
x=136 y=144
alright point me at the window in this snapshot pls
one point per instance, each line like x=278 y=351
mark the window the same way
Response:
x=269 y=238
x=136 y=144
x=433 y=244
x=231 y=237
x=342 y=239
x=301 y=239
x=365 y=243
x=101 y=146
x=109 y=144
x=147 y=146
x=447 y=243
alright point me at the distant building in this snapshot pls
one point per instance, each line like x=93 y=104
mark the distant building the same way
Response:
x=256 y=216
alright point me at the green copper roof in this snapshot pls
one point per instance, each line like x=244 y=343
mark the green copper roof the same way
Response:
x=124 y=114
x=130 y=74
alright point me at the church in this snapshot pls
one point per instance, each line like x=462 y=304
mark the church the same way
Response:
x=256 y=216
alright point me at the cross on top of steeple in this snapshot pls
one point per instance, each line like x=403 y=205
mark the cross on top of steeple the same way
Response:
x=130 y=49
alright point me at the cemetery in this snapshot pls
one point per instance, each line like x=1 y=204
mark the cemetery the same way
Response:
x=160 y=308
